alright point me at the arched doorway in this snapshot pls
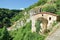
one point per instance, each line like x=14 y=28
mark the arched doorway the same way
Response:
x=36 y=27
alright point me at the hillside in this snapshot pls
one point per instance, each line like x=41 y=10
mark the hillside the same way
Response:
x=16 y=24
x=47 y=6
x=8 y=17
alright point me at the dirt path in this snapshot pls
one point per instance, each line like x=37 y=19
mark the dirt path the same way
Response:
x=55 y=35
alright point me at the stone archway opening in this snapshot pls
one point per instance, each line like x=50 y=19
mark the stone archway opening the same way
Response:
x=43 y=24
x=39 y=25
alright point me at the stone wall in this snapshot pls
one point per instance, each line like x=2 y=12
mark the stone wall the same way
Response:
x=49 y=18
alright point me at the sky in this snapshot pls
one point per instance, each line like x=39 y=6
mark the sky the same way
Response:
x=16 y=4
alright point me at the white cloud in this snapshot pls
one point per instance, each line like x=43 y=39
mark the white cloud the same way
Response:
x=21 y=8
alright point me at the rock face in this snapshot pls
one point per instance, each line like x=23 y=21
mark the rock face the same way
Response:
x=18 y=24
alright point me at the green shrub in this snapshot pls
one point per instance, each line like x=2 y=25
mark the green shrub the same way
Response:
x=49 y=8
x=24 y=33
x=4 y=35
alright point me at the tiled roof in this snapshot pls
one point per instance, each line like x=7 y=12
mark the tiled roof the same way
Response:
x=46 y=13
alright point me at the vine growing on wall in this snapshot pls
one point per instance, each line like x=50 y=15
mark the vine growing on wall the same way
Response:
x=37 y=24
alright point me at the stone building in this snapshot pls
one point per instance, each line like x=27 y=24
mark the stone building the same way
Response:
x=49 y=17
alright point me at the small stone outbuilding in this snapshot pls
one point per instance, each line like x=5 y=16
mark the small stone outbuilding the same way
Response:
x=50 y=17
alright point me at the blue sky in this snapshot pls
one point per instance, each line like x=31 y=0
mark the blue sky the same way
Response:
x=16 y=4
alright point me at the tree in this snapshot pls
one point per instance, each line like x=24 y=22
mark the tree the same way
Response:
x=4 y=35
x=50 y=8
x=6 y=22
x=58 y=4
x=41 y=2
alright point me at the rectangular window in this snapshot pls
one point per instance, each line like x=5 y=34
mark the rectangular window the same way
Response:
x=49 y=18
